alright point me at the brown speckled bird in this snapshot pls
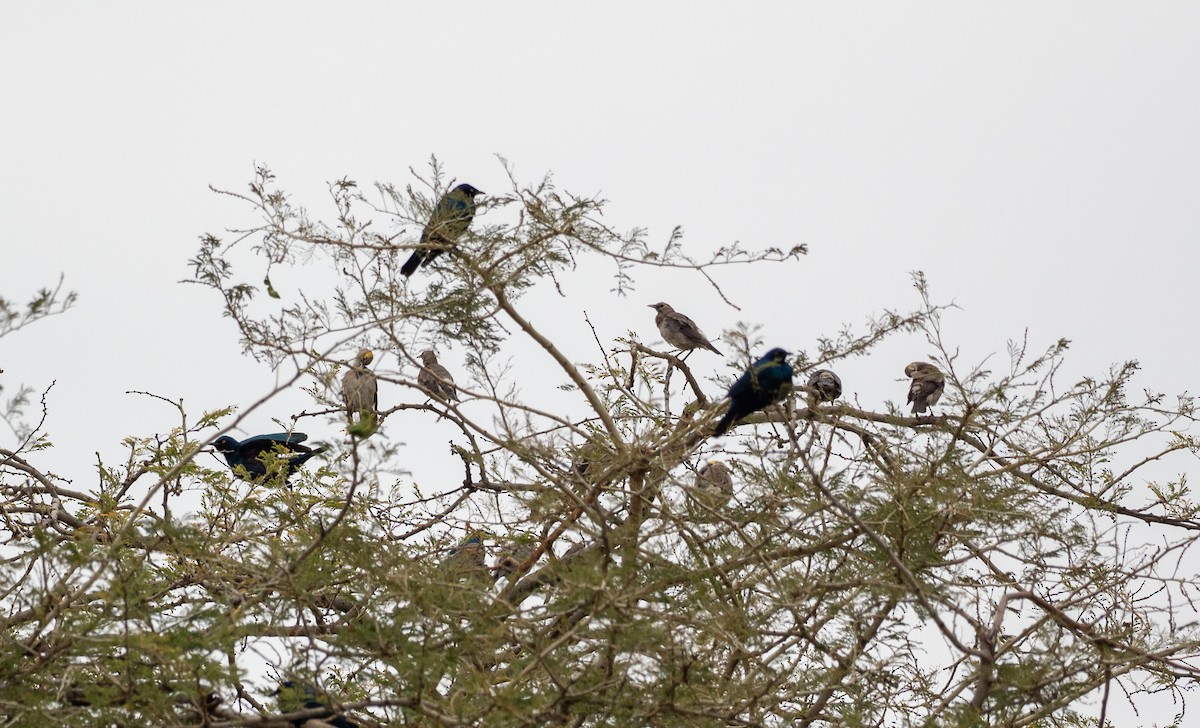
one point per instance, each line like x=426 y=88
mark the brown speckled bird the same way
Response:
x=680 y=331
x=826 y=385
x=435 y=379
x=926 y=387
x=360 y=388
x=714 y=486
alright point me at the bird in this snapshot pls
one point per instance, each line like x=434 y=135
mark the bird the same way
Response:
x=714 y=485
x=926 y=386
x=468 y=559
x=826 y=385
x=511 y=557
x=294 y=698
x=766 y=382
x=680 y=331
x=360 y=387
x=450 y=219
x=245 y=458
x=434 y=378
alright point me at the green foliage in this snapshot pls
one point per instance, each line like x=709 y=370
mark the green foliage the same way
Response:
x=984 y=565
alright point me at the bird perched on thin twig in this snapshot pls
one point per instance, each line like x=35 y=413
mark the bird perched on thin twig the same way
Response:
x=450 y=219
x=249 y=459
x=360 y=387
x=766 y=382
x=680 y=331
x=825 y=385
x=714 y=485
x=434 y=378
x=926 y=386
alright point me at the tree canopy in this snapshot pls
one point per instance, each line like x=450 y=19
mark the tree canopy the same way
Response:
x=1024 y=544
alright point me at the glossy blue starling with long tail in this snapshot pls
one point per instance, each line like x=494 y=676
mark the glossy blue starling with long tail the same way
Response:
x=449 y=221
x=766 y=382
x=246 y=458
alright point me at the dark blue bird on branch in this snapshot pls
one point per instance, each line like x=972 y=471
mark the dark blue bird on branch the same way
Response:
x=449 y=221
x=765 y=383
x=249 y=458
x=293 y=698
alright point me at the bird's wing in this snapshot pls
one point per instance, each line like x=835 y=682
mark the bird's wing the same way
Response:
x=286 y=438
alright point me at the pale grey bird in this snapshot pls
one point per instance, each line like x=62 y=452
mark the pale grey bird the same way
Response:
x=510 y=558
x=434 y=377
x=926 y=387
x=680 y=331
x=360 y=387
x=714 y=485
x=826 y=385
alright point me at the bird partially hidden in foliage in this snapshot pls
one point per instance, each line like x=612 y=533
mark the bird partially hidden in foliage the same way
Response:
x=768 y=381
x=292 y=698
x=926 y=386
x=713 y=487
x=282 y=452
x=680 y=331
x=450 y=219
x=435 y=379
x=825 y=385
x=468 y=559
x=360 y=393
x=510 y=558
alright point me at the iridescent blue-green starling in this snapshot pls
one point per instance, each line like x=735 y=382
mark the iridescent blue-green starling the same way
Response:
x=246 y=458
x=468 y=559
x=293 y=698
x=766 y=382
x=449 y=221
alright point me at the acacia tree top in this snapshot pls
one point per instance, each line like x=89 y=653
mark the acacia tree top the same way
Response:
x=989 y=562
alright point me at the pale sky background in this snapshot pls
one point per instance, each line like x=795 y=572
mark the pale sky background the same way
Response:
x=1039 y=161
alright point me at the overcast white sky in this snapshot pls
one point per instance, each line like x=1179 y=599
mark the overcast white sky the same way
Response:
x=1039 y=161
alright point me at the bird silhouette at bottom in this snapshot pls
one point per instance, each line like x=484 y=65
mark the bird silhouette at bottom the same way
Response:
x=766 y=382
x=293 y=697
x=248 y=458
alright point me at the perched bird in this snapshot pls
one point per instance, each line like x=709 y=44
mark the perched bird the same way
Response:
x=293 y=698
x=680 y=331
x=766 y=382
x=511 y=557
x=714 y=485
x=468 y=559
x=826 y=385
x=434 y=377
x=249 y=454
x=926 y=387
x=449 y=221
x=360 y=388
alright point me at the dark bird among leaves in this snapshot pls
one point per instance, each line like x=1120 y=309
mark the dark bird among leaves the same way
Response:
x=292 y=698
x=926 y=386
x=766 y=382
x=449 y=221
x=249 y=458
x=468 y=559
x=680 y=331
x=825 y=385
